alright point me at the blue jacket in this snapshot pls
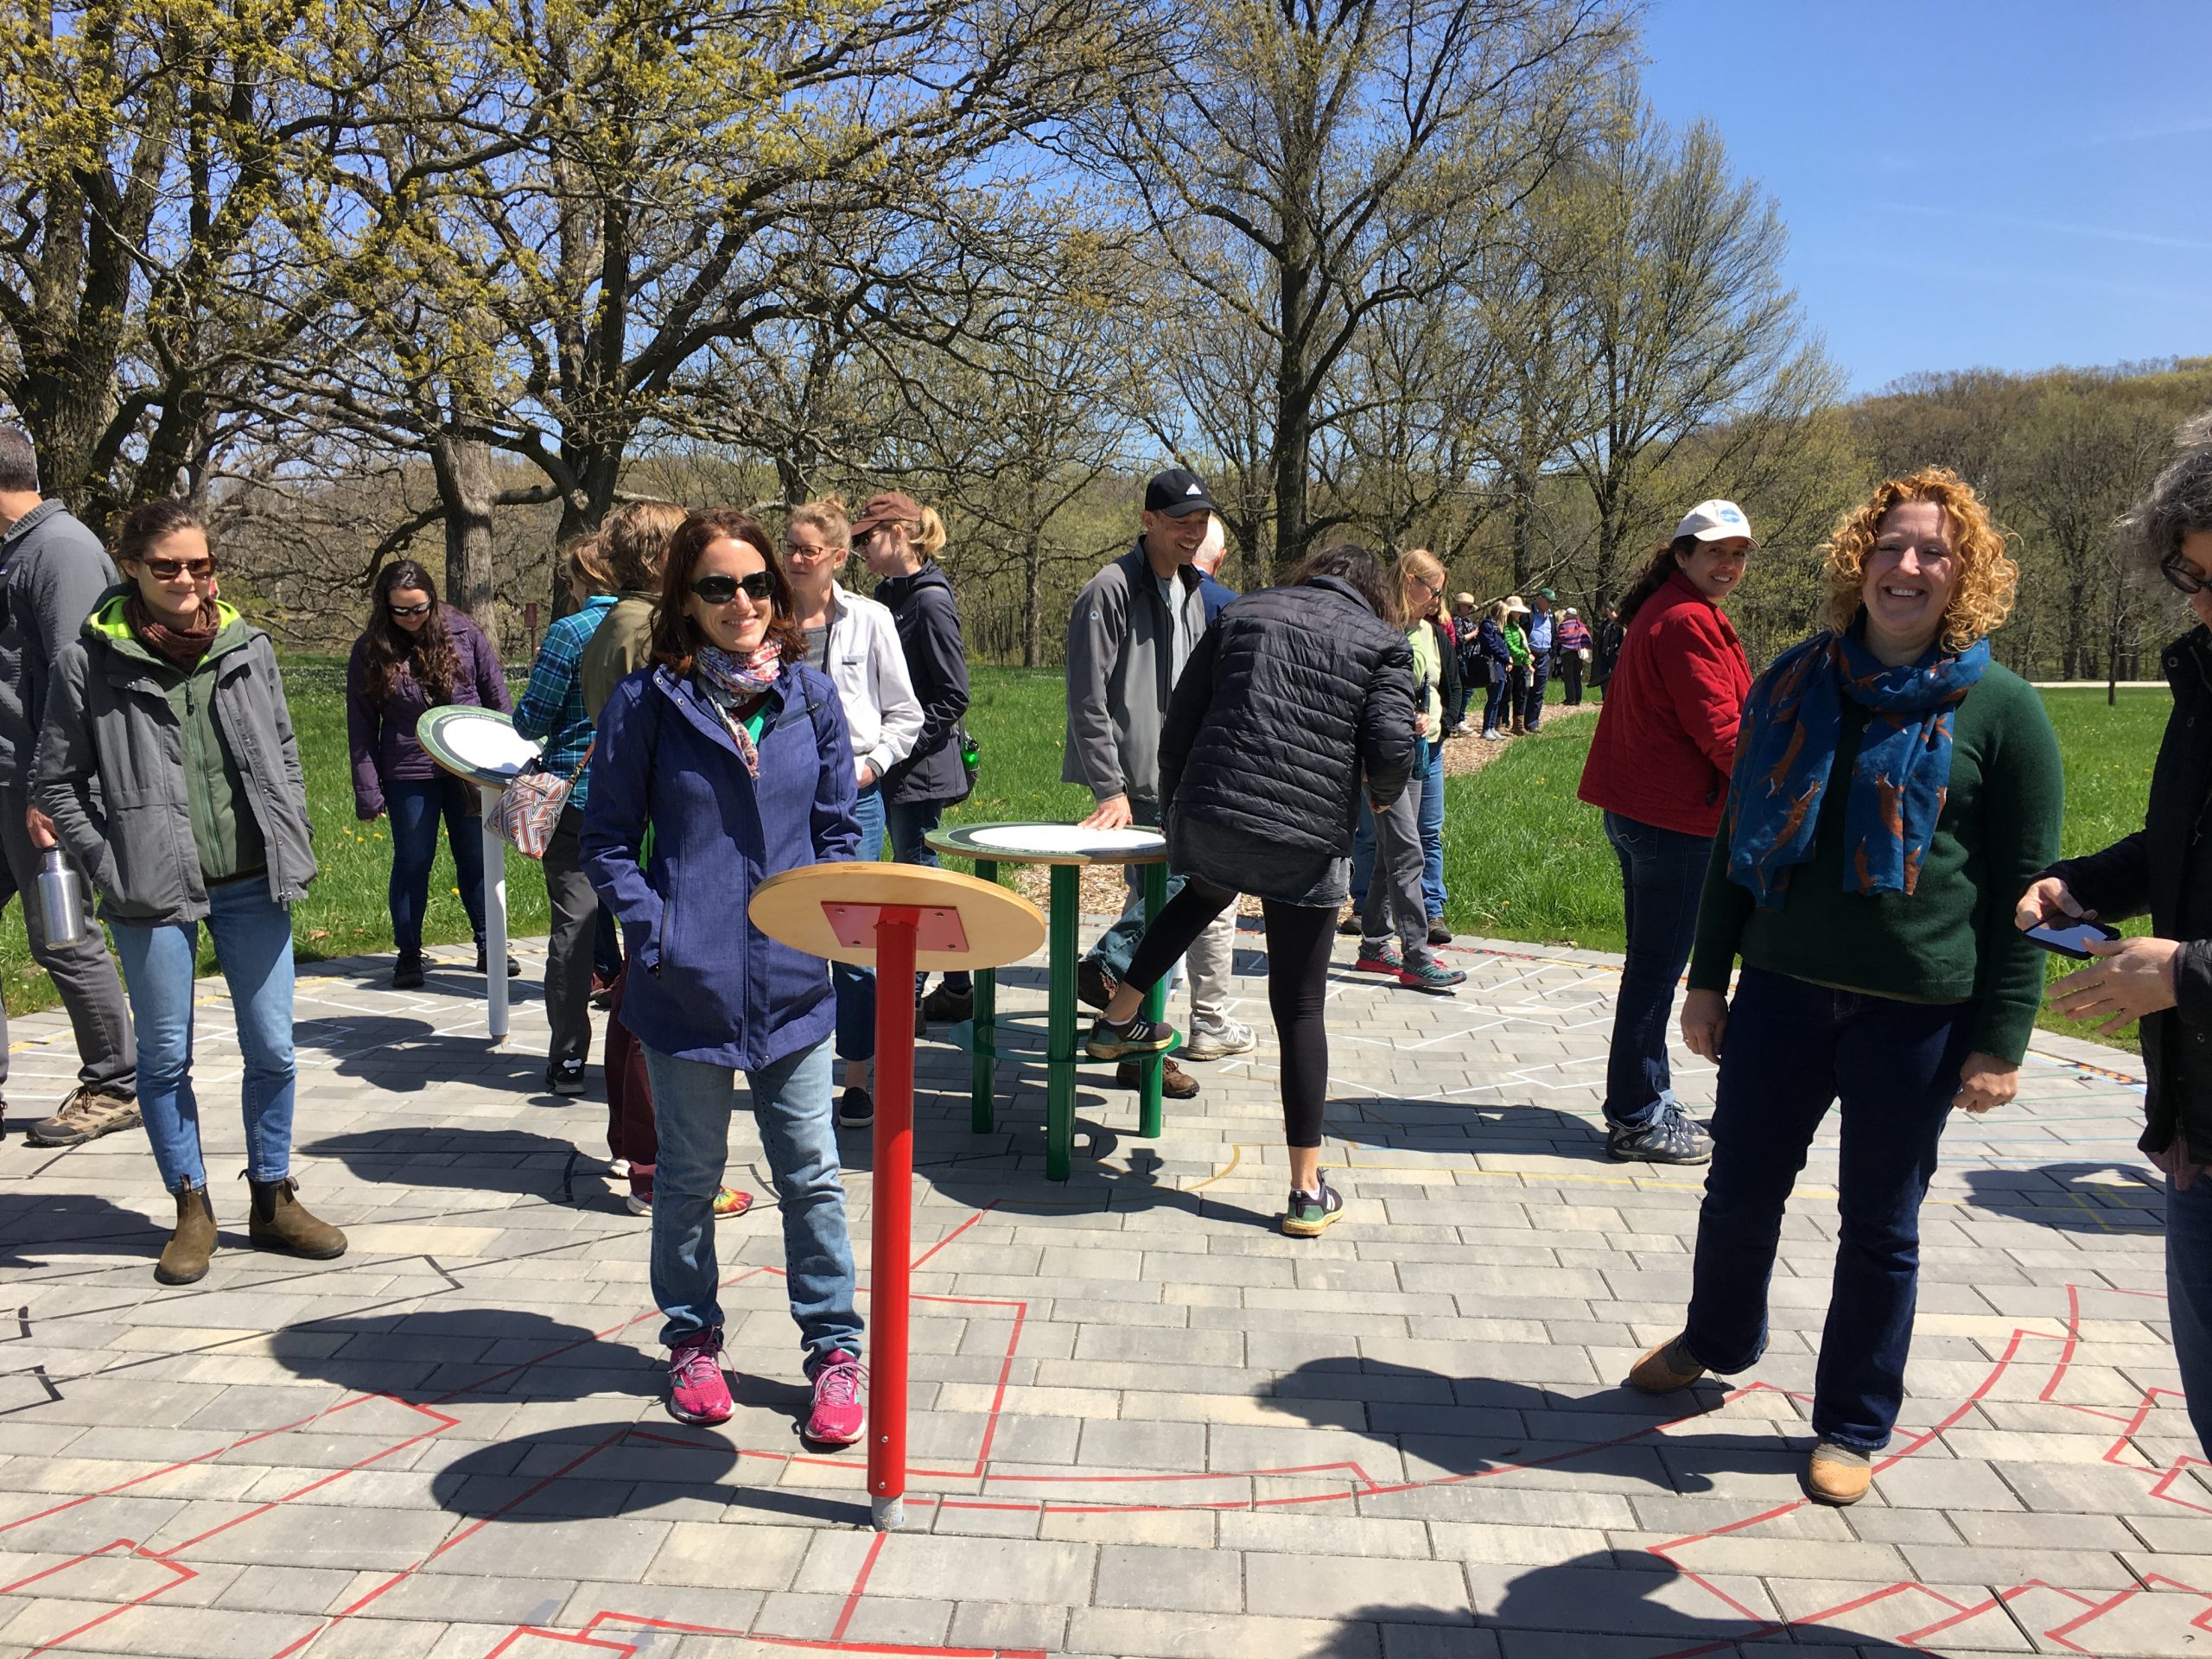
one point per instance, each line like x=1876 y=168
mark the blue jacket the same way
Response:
x=1217 y=596
x=705 y=985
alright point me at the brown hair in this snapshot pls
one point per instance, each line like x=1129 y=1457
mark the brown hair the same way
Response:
x=387 y=645
x=1664 y=560
x=635 y=541
x=585 y=560
x=1360 y=570
x=1982 y=598
x=675 y=639
x=136 y=531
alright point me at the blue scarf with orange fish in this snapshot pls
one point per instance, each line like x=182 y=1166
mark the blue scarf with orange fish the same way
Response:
x=1792 y=722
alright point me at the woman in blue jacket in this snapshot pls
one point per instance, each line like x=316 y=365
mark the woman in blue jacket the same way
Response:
x=737 y=754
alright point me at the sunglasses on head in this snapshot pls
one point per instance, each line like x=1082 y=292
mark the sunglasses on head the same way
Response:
x=424 y=609
x=760 y=588
x=170 y=569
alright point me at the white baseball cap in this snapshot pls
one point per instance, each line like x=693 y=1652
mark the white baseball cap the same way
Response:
x=1714 y=521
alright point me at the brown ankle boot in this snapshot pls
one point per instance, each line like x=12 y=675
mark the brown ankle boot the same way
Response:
x=184 y=1258
x=280 y=1222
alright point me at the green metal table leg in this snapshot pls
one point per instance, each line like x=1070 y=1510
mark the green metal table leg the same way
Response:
x=1059 y=1044
x=1156 y=1007
x=983 y=1035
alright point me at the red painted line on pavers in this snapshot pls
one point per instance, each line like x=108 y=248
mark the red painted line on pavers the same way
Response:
x=859 y=1587
x=831 y=1644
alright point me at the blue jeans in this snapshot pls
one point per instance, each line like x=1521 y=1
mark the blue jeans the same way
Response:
x=1792 y=1050
x=855 y=987
x=907 y=822
x=253 y=947
x=1117 y=946
x=415 y=810
x=692 y=1103
x=1662 y=872
x=2188 y=1296
x=1494 y=702
x=1539 y=674
x=1431 y=833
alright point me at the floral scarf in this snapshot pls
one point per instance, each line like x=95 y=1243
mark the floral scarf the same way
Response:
x=731 y=679
x=1792 y=722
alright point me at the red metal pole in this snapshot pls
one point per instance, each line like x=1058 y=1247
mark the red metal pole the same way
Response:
x=891 y=1230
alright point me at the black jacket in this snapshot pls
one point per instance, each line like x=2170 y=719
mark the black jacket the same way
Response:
x=2163 y=869
x=929 y=632
x=1290 y=698
x=1447 y=674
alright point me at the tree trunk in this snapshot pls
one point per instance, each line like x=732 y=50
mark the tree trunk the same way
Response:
x=1033 y=590
x=464 y=474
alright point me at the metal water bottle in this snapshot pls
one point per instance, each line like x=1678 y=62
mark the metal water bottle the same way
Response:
x=60 y=899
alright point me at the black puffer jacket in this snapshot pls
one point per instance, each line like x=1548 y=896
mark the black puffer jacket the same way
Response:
x=928 y=618
x=1289 y=699
x=2163 y=868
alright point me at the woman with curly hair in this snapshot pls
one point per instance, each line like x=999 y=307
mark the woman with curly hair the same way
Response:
x=418 y=654
x=1893 y=789
x=2165 y=979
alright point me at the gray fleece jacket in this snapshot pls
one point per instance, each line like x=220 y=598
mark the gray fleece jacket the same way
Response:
x=53 y=571
x=1121 y=670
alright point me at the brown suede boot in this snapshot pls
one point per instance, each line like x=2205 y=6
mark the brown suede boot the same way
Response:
x=184 y=1258
x=280 y=1222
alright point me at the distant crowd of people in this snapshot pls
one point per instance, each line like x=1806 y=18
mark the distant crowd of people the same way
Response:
x=1853 y=853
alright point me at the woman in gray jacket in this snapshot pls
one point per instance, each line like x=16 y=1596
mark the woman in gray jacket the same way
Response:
x=168 y=764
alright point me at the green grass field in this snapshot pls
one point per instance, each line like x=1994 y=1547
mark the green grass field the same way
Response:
x=1524 y=859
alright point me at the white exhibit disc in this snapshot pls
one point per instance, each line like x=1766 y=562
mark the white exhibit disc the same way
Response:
x=1041 y=839
x=491 y=746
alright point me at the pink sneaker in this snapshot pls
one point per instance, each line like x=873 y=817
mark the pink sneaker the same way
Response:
x=835 y=1419
x=698 y=1391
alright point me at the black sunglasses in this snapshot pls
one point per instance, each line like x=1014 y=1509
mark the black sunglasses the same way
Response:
x=760 y=588
x=424 y=609
x=2185 y=575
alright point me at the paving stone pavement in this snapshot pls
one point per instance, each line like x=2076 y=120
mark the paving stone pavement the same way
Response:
x=1145 y=1423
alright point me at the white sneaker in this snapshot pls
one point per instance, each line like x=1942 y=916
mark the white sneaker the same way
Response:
x=1218 y=1039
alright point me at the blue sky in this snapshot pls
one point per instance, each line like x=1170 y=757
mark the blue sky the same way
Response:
x=2004 y=183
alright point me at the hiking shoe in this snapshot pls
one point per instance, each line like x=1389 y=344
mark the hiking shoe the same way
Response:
x=1666 y=1368
x=86 y=1114
x=1309 y=1214
x=1352 y=923
x=1438 y=933
x=1109 y=1041
x=1217 y=1040
x=1384 y=958
x=1670 y=1138
x=407 y=972
x=835 y=1419
x=1175 y=1083
x=1094 y=986
x=1838 y=1474
x=484 y=959
x=697 y=1390
x=1427 y=973
x=855 y=1109
x=565 y=1078
x=947 y=1006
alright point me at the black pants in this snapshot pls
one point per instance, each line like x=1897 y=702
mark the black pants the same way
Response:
x=1298 y=937
x=1570 y=673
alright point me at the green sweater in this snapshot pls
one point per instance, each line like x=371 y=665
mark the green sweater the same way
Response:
x=1952 y=939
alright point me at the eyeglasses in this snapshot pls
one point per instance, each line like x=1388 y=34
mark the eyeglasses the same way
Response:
x=170 y=569
x=2185 y=575
x=794 y=551
x=760 y=588
x=424 y=609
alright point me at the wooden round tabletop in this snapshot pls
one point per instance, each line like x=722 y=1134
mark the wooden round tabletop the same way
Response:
x=820 y=908
x=1051 y=844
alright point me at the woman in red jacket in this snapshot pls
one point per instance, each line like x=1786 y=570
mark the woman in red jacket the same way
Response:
x=1659 y=767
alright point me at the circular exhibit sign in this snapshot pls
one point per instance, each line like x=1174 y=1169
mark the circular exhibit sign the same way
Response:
x=479 y=744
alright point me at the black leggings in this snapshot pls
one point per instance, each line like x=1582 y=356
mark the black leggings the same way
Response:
x=1298 y=939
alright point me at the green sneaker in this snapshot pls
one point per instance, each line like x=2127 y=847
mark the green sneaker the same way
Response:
x=1309 y=1214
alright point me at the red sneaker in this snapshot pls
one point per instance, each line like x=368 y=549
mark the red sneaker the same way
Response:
x=835 y=1419
x=698 y=1391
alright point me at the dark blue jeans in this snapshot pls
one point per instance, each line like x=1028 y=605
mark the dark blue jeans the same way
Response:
x=1494 y=705
x=2188 y=1296
x=415 y=809
x=1663 y=871
x=1790 y=1051
x=1539 y=676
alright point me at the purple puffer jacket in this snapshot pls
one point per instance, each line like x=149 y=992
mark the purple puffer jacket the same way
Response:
x=382 y=735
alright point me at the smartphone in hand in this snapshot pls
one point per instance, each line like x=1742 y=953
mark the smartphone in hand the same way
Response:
x=2070 y=936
